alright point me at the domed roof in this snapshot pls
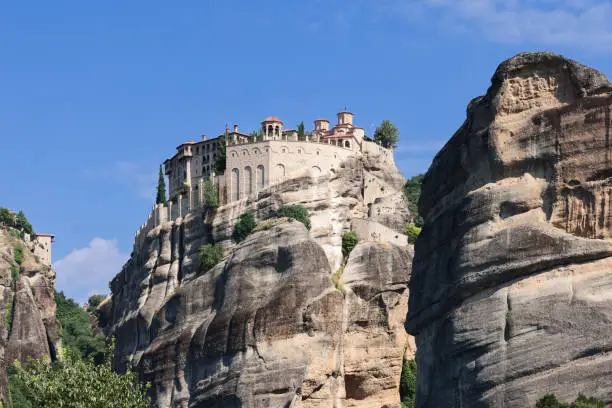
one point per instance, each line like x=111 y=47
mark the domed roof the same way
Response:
x=272 y=119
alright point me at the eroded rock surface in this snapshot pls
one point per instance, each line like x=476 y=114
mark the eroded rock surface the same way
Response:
x=27 y=308
x=511 y=287
x=266 y=327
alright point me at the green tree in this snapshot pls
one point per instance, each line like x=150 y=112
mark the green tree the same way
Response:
x=95 y=300
x=161 y=188
x=412 y=192
x=301 y=131
x=550 y=401
x=408 y=383
x=387 y=135
x=74 y=383
x=76 y=332
x=349 y=241
x=22 y=223
x=413 y=232
x=210 y=255
x=210 y=194
x=296 y=212
x=243 y=227
x=221 y=155
x=6 y=217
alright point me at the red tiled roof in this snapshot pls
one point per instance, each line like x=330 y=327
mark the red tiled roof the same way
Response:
x=321 y=119
x=272 y=119
x=289 y=130
x=45 y=235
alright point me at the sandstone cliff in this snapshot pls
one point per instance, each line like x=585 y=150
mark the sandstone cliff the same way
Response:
x=27 y=306
x=266 y=327
x=511 y=293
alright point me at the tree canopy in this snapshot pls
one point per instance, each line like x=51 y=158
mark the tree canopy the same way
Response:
x=221 y=156
x=76 y=332
x=161 y=188
x=301 y=131
x=74 y=383
x=412 y=192
x=387 y=135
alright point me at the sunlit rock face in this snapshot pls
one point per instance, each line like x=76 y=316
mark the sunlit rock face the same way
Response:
x=267 y=327
x=511 y=293
x=27 y=308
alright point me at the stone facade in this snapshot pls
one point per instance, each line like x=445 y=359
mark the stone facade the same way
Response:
x=275 y=154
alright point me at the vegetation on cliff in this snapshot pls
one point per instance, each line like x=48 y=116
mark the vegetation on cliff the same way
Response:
x=243 y=227
x=408 y=383
x=550 y=401
x=210 y=255
x=349 y=240
x=387 y=134
x=161 y=188
x=18 y=221
x=412 y=192
x=296 y=212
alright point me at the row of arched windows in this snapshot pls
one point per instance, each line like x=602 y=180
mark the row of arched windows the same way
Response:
x=237 y=187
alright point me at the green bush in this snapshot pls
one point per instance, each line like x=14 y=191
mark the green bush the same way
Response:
x=18 y=254
x=76 y=332
x=296 y=212
x=210 y=194
x=210 y=255
x=408 y=383
x=95 y=300
x=550 y=401
x=8 y=314
x=74 y=383
x=412 y=192
x=243 y=227
x=413 y=232
x=22 y=223
x=6 y=217
x=349 y=240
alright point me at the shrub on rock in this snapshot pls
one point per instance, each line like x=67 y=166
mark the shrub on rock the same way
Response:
x=296 y=212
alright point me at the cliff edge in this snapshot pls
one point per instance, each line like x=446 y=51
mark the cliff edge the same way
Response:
x=27 y=305
x=510 y=292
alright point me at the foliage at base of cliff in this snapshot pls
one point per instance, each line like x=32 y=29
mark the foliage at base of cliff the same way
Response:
x=408 y=383
x=76 y=332
x=74 y=383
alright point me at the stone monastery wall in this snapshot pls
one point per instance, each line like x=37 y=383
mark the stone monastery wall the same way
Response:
x=253 y=166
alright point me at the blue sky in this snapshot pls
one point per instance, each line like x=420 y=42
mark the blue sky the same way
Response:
x=96 y=94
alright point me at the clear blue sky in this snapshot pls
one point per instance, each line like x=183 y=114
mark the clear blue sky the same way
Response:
x=94 y=95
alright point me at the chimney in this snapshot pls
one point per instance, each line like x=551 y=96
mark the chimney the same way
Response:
x=203 y=137
x=235 y=128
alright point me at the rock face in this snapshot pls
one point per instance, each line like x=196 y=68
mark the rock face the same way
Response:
x=512 y=277
x=266 y=327
x=27 y=306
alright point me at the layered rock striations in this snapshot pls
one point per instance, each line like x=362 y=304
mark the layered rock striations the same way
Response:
x=27 y=307
x=511 y=292
x=267 y=327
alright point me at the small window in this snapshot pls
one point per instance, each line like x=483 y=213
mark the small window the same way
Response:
x=299 y=151
x=284 y=150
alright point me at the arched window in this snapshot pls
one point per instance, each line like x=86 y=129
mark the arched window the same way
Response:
x=236 y=184
x=315 y=171
x=269 y=130
x=280 y=170
x=260 y=177
x=248 y=180
x=347 y=144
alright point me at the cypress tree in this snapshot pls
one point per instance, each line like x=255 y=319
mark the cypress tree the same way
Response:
x=161 y=188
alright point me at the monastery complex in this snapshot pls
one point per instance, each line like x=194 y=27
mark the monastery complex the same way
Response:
x=254 y=163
